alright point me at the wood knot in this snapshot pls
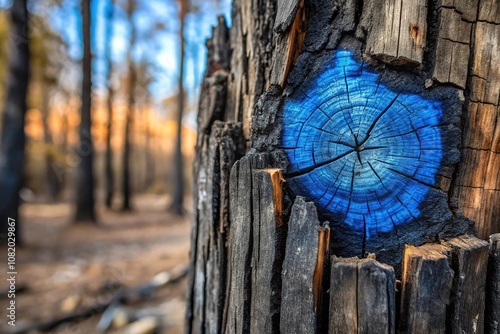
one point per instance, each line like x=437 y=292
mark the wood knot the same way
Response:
x=416 y=34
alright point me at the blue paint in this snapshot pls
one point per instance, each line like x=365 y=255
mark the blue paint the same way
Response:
x=365 y=154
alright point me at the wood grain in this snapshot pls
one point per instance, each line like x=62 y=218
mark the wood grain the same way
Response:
x=468 y=257
x=477 y=185
x=362 y=296
x=297 y=304
x=492 y=312
x=396 y=29
x=453 y=47
x=264 y=314
x=426 y=286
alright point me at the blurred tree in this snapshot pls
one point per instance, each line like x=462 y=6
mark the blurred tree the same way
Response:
x=132 y=78
x=108 y=165
x=48 y=56
x=85 y=202
x=13 y=137
x=4 y=48
x=185 y=7
x=144 y=79
x=177 y=204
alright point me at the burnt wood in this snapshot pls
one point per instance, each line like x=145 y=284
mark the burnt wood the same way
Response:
x=492 y=312
x=468 y=257
x=442 y=51
x=362 y=296
x=298 y=311
x=426 y=287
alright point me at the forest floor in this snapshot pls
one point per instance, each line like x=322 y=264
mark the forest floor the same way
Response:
x=66 y=268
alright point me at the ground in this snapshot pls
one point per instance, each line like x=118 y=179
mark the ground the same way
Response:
x=67 y=267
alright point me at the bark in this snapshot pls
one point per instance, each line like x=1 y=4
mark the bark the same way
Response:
x=108 y=164
x=85 y=201
x=282 y=59
x=13 y=136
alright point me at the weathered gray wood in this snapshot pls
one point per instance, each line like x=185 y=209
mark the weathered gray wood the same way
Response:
x=287 y=40
x=285 y=15
x=426 y=286
x=453 y=47
x=220 y=152
x=469 y=256
x=297 y=295
x=376 y=298
x=489 y=11
x=218 y=146
x=396 y=30
x=251 y=45
x=238 y=304
x=241 y=239
x=362 y=296
x=343 y=296
x=223 y=152
x=264 y=311
x=492 y=312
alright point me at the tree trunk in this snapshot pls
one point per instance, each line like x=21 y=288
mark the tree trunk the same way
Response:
x=85 y=211
x=13 y=137
x=108 y=165
x=129 y=122
x=177 y=204
x=381 y=119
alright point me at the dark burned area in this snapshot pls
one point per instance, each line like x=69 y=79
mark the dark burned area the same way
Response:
x=439 y=219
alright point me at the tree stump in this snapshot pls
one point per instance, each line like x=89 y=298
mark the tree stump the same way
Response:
x=331 y=130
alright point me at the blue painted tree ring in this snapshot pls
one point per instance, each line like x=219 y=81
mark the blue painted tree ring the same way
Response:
x=367 y=155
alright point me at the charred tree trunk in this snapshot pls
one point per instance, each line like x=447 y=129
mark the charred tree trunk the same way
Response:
x=367 y=126
x=13 y=137
x=177 y=204
x=85 y=201
x=129 y=122
x=108 y=164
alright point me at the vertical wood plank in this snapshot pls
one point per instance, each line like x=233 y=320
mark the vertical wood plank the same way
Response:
x=469 y=257
x=264 y=226
x=245 y=194
x=376 y=298
x=426 y=287
x=224 y=149
x=297 y=304
x=492 y=312
x=362 y=297
x=343 y=296
x=238 y=302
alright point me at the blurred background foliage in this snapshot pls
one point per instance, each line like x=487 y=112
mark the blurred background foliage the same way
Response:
x=54 y=91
